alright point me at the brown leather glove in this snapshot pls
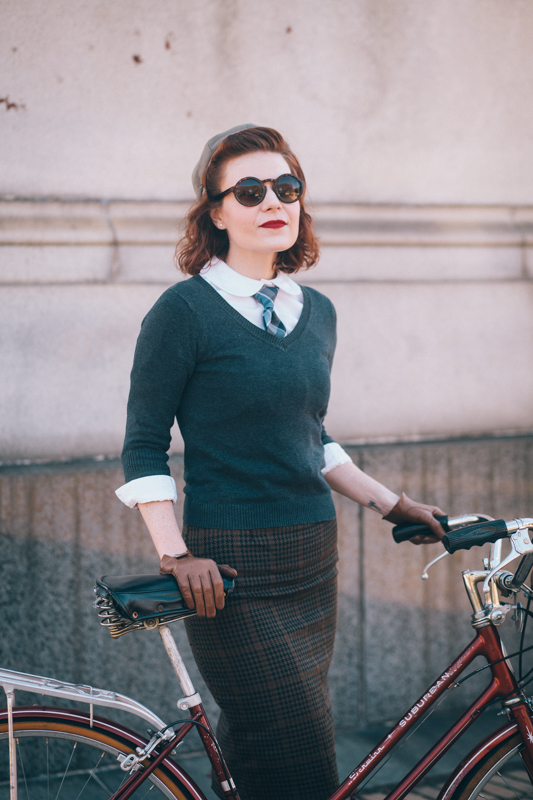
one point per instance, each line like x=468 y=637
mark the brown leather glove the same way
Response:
x=407 y=510
x=199 y=581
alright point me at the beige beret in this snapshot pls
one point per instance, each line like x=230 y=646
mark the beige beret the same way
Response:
x=207 y=153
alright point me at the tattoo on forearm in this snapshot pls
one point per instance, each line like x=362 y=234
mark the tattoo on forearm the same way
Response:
x=375 y=506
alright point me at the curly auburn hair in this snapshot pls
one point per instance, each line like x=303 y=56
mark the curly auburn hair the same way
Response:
x=203 y=241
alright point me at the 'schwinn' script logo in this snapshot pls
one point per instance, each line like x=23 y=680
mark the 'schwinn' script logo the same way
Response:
x=369 y=760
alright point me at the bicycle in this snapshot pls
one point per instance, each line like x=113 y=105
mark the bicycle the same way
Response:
x=43 y=747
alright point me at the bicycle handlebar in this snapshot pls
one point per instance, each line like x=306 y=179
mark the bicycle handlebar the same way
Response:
x=475 y=535
x=466 y=536
x=475 y=530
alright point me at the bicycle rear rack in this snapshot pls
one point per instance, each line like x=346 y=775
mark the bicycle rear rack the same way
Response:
x=12 y=681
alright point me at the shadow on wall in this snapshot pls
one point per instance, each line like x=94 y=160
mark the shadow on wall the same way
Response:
x=61 y=526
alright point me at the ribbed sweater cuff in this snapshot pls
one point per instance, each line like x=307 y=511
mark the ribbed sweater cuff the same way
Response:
x=141 y=463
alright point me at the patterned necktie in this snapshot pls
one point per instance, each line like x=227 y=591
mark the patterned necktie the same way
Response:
x=266 y=296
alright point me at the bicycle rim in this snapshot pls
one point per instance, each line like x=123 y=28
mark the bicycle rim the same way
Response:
x=64 y=760
x=500 y=775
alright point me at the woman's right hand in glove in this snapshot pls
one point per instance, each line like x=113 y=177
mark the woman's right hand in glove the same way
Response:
x=199 y=581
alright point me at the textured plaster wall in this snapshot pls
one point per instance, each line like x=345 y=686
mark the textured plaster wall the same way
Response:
x=391 y=101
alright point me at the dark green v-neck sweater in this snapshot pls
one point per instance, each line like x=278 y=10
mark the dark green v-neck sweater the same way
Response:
x=250 y=408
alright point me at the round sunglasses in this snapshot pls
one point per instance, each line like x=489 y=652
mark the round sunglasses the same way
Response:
x=251 y=191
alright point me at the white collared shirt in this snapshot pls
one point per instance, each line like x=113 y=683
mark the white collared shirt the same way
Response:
x=238 y=291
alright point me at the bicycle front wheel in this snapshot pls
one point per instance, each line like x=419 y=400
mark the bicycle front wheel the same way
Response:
x=60 y=756
x=501 y=774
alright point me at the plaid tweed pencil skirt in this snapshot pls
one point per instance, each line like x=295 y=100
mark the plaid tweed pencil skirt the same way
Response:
x=265 y=658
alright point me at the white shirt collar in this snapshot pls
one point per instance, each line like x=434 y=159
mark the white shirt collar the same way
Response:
x=225 y=278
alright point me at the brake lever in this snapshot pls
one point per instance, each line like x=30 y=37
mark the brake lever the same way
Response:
x=425 y=575
x=464 y=519
x=520 y=545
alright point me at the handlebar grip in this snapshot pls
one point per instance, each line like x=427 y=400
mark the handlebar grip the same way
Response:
x=401 y=533
x=475 y=535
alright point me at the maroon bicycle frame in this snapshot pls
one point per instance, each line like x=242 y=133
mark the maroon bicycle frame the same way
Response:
x=486 y=643
x=219 y=765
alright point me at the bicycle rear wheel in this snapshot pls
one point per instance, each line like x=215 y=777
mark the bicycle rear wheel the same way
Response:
x=501 y=774
x=60 y=756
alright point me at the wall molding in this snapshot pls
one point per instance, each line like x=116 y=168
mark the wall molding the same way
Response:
x=112 y=460
x=93 y=222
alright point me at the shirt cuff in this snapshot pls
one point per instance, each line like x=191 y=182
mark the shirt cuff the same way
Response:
x=151 y=489
x=334 y=456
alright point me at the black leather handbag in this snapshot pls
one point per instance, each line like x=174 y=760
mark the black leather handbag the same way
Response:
x=133 y=602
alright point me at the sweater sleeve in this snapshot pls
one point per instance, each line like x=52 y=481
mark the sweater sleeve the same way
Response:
x=334 y=455
x=325 y=438
x=165 y=357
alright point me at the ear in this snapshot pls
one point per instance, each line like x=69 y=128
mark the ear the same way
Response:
x=215 y=216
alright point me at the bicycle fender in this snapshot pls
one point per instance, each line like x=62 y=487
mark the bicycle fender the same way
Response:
x=474 y=757
x=50 y=714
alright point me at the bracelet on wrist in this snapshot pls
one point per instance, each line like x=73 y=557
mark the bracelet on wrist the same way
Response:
x=181 y=555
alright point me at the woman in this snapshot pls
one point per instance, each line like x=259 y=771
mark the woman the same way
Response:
x=241 y=356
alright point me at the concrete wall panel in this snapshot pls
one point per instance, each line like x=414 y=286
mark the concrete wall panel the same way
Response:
x=55 y=264
x=411 y=362
x=408 y=263
x=67 y=366
x=148 y=264
x=425 y=362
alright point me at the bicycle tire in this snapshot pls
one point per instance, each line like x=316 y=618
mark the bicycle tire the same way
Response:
x=501 y=771
x=58 y=749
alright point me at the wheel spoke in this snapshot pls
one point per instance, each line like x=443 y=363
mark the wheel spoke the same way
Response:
x=148 y=792
x=521 y=782
x=66 y=770
x=19 y=749
x=509 y=786
x=100 y=783
x=101 y=756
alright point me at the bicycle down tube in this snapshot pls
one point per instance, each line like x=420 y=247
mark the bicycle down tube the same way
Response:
x=486 y=643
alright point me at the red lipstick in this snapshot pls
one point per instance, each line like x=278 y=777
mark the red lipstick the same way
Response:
x=275 y=223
